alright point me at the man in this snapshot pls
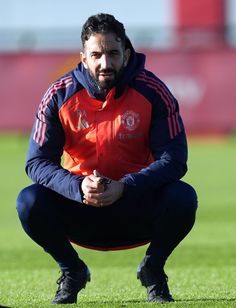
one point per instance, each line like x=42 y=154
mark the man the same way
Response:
x=124 y=150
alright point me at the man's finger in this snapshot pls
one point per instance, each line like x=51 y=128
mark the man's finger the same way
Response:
x=97 y=203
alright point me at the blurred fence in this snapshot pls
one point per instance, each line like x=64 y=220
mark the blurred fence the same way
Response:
x=203 y=80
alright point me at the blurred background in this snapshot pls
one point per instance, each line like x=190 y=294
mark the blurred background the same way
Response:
x=189 y=44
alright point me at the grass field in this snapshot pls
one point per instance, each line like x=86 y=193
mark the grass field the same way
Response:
x=202 y=270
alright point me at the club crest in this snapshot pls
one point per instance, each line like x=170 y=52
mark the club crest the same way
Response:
x=130 y=120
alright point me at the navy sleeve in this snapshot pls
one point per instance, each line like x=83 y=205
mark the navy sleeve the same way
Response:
x=43 y=163
x=168 y=145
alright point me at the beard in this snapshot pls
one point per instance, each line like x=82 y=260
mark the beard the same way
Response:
x=106 y=84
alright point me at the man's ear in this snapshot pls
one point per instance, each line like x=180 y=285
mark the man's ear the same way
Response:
x=127 y=56
x=83 y=59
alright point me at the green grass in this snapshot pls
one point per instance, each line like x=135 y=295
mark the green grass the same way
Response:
x=202 y=270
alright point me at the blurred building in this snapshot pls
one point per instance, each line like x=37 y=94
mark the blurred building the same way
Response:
x=189 y=44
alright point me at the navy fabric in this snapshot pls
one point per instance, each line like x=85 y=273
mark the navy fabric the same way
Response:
x=163 y=217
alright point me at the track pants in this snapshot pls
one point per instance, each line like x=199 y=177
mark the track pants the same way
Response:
x=162 y=218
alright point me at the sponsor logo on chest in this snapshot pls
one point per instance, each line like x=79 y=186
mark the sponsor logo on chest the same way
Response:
x=82 y=122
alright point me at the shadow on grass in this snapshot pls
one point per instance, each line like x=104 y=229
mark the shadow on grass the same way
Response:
x=134 y=301
x=129 y=301
x=207 y=300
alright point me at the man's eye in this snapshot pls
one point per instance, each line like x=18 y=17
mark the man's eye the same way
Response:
x=95 y=55
x=114 y=52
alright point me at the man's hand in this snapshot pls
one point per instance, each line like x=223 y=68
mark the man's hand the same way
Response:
x=100 y=191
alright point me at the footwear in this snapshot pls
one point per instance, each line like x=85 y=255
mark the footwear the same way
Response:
x=70 y=283
x=156 y=284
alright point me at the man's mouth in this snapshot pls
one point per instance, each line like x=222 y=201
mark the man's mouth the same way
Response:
x=106 y=74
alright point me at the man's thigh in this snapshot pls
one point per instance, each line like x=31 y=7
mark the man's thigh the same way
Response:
x=122 y=223
x=126 y=220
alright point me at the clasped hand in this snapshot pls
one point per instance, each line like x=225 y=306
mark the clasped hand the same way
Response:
x=98 y=193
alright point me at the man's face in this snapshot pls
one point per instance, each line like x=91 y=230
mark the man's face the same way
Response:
x=105 y=58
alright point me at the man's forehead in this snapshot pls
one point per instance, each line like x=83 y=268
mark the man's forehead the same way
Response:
x=101 y=42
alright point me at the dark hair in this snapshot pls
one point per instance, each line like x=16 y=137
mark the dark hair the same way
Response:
x=103 y=23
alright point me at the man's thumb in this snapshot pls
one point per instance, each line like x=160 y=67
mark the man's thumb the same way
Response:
x=96 y=173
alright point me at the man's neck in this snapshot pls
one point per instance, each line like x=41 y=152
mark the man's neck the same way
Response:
x=101 y=94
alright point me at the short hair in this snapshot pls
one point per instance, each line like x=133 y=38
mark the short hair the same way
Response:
x=103 y=23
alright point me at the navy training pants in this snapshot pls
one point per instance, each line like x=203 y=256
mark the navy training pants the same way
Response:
x=164 y=218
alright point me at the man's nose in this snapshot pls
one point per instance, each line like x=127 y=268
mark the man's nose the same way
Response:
x=105 y=61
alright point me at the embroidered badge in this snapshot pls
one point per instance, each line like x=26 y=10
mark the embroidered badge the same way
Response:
x=130 y=120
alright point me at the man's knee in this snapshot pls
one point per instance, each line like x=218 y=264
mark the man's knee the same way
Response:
x=181 y=197
x=27 y=200
x=187 y=194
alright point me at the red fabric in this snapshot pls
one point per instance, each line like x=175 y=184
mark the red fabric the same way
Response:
x=90 y=134
x=111 y=248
